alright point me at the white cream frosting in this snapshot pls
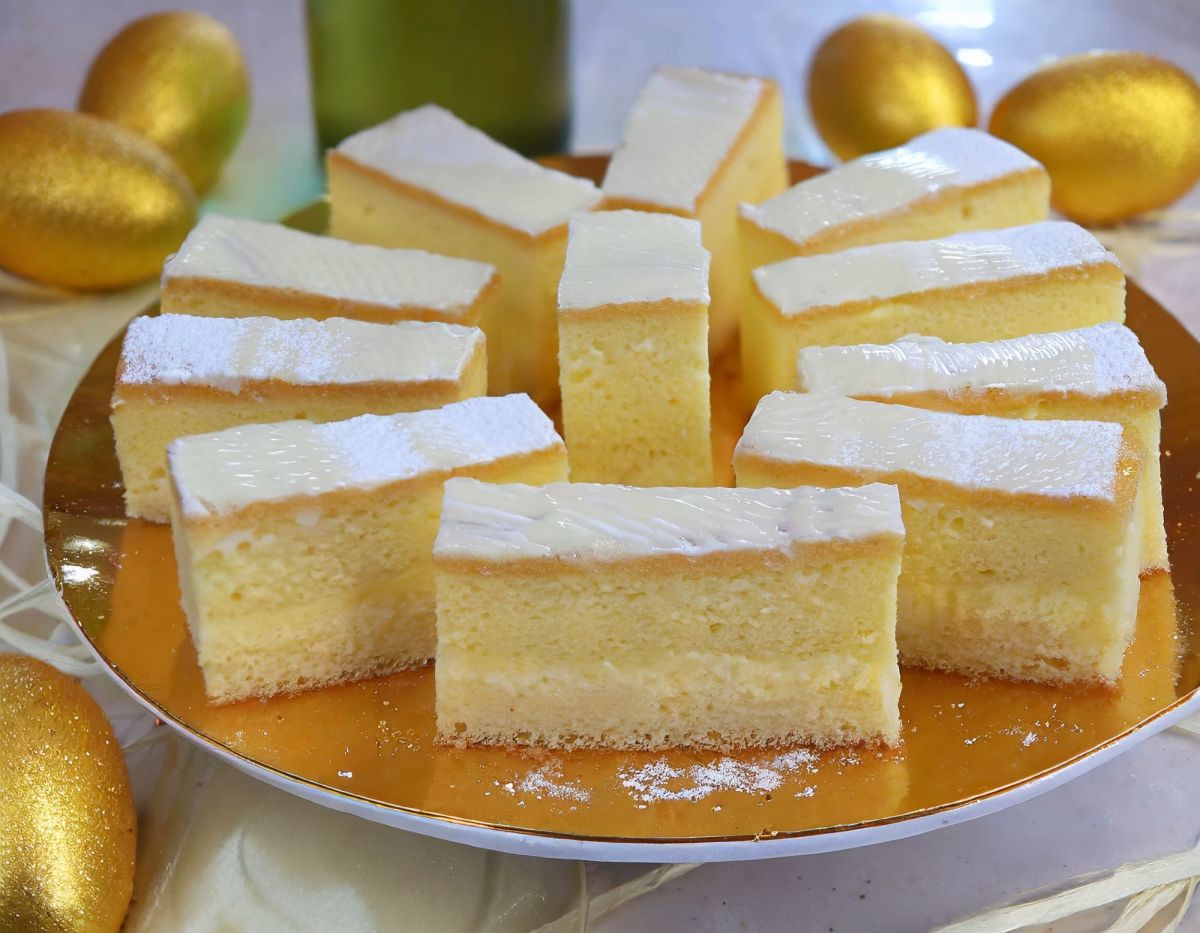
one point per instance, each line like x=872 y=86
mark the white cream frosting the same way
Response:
x=681 y=128
x=1097 y=361
x=577 y=522
x=432 y=149
x=888 y=182
x=1053 y=459
x=616 y=257
x=224 y=353
x=265 y=255
x=224 y=472
x=890 y=270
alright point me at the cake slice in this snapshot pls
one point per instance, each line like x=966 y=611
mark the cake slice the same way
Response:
x=180 y=375
x=696 y=144
x=427 y=180
x=1022 y=537
x=1095 y=373
x=945 y=181
x=305 y=550
x=633 y=350
x=589 y=615
x=232 y=267
x=982 y=285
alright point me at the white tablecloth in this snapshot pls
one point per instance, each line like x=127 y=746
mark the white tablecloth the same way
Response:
x=1138 y=806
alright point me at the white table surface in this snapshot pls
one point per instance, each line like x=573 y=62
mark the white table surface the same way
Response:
x=1141 y=805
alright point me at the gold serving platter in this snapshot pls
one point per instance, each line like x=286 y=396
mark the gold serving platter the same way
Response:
x=370 y=746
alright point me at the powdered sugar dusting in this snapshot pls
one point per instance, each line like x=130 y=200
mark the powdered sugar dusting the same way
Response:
x=433 y=149
x=589 y=522
x=884 y=271
x=885 y=182
x=680 y=130
x=615 y=257
x=1054 y=459
x=228 y=470
x=547 y=781
x=270 y=256
x=660 y=781
x=224 y=353
x=1093 y=361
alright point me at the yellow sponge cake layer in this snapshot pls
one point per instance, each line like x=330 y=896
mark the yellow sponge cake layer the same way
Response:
x=945 y=181
x=1022 y=537
x=633 y=350
x=697 y=143
x=305 y=550
x=985 y=285
x=232 y=267
x=426 y=180
x=1095 y=373
x=588 y=615
x=181 y=375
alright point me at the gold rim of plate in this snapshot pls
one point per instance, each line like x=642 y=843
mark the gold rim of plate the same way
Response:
x=965 y=741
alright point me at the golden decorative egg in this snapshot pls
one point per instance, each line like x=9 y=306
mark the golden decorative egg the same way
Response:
x=1119 y=132
x=879 y=80
x=179 y=80
x=85 y=203
x=68 y=829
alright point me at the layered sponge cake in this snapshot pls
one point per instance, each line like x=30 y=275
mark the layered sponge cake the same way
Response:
x=180 y=374
x=1022 y=537
x=984 y=285
x=696 y=144
x=633 y=350
x=945 y=181
x=1095 y=373
x=231 y=267
x=426 y=180
x=590 y=615
x=305 y=550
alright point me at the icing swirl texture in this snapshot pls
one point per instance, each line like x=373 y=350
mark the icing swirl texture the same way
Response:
x=886 y=182
x=890 y=270
x=585 y=522
x=226 y=471
x=432 y=149
x=1097 y=361
x=224 y=353
x=1050 y=459
x=680 y=130
x=265 y=255
x=618 y=257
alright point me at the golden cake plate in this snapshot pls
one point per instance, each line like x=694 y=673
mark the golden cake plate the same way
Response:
x=970 y=746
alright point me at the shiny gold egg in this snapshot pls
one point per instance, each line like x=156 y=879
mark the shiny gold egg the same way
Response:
x=85 y=203
x=1119 y=132
x=68 y=829
x=879 y=80
x=179 y=80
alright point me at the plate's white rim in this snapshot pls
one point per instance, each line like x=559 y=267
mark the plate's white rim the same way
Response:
x=518 y=842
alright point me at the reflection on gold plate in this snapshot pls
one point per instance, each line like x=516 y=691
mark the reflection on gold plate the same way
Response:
x=964 y=740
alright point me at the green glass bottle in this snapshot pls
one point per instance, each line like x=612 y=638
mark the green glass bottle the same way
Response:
x=500 y=65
